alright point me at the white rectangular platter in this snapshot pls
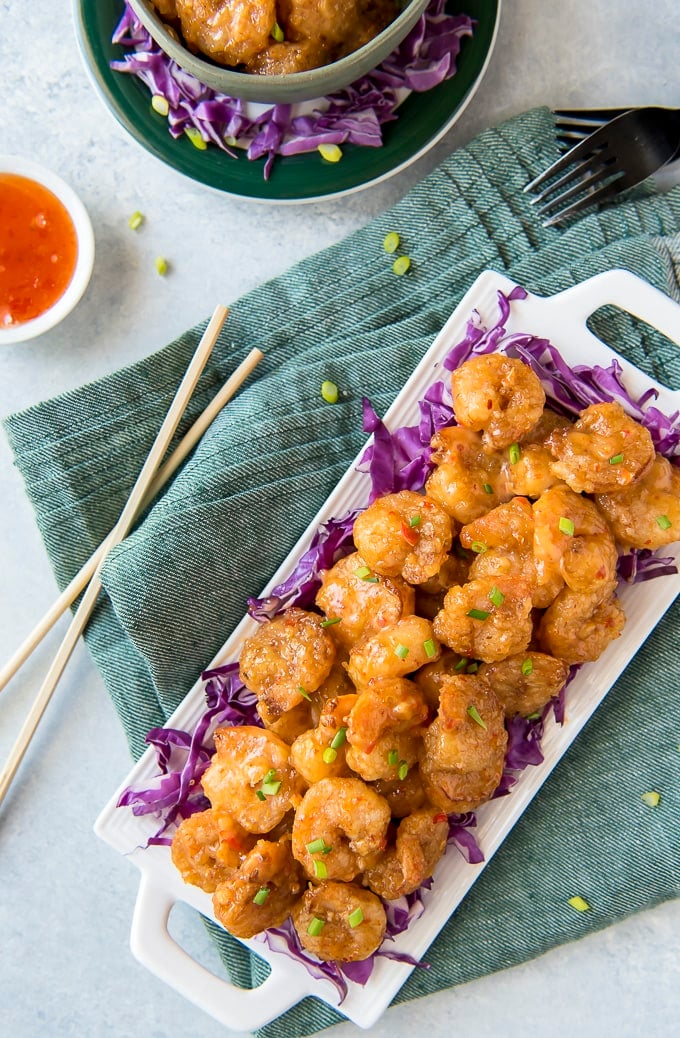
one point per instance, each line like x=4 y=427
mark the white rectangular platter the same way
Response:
x=561 y=319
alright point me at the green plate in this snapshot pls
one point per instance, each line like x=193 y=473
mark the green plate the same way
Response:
x=423 y=118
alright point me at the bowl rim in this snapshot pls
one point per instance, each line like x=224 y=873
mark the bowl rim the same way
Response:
x=17 y=165
x=304 y=85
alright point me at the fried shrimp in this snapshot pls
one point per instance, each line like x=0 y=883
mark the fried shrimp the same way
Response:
x=647 y=514
x=341 y=823
x=604 y=451
x=320 y=752
x=524 y=683
x=467 y=481
x=487 y=619
x=286 y=659
x=393 y=753
x=579 y=626
x=250 y=777
x=207 y=847
x=420 y=843
x=262 y=891
x=404 y=534
x=340 y=922
x=388 y=705
x=570 y=539
x=465 y=745
x=395 y=651
x=355 y=605
x=230 y=33
x=498 y=396
x=529 y=472
x=404 y=795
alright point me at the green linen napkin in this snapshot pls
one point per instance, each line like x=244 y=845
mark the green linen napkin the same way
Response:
x=178 y=585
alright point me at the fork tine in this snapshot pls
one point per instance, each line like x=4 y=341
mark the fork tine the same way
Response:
x=601 y=194
x=598 y=161
x=582 y=150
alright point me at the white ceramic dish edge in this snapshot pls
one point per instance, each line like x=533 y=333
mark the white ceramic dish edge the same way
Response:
x=22 y=167
x=562 y=319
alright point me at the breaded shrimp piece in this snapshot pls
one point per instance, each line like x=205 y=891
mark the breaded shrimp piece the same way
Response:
x=403 y=795
x=394 y=652
x=429 y=678
x=560 y=517
x=647 y=514
x=262 y=891
x=464 y=747
x=420 y=843
x=361 y=605
x=605 y=450
x=392 y=754
x=339 y=922
x=230 y=32
x=468 y=480
x=524 y=683
x=487 y=619
x=498 y=396
x=250 y=777
x=344 y=822
x=579 y=626
x=529 y=472
x=207 y=847
x=385 y=705
x=404 y=534
x=285 y=658
x=320 y=752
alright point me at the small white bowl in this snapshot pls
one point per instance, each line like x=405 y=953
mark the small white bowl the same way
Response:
x=85 y=258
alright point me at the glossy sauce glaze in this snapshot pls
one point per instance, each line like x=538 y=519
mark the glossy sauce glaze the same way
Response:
x=38 y=249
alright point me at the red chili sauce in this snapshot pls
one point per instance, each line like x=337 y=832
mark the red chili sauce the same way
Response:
x=38 y=249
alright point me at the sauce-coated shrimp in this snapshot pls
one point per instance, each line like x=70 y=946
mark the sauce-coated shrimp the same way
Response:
x=262 y=891
x=394 y=705
x=465 y=745
x=420 y=843
x=429 y=678
x=578 y=627
x=395 y=651
x=344 y=822
x=231 y=34
x=604 y=450
x=207 y=847
x=562 y=517
x=361 y=605
x=392 y=753
x=468 y=481
x=499 y=396
x=347 y=922
x=524 y=683
x=403 y=795
x=530 y=470
x=250 y=777
x=284 y=655
x=320 y=752
x=404 y=534
x=646 y=515
x=487 y=619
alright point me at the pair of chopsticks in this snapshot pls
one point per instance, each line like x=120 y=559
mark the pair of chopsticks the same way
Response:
x=149 y=482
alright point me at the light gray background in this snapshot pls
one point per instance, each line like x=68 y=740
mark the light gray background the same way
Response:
x=66 y=899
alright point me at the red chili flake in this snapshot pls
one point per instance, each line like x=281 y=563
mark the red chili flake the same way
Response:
x=489 y=404
x=440 y=817
x=409 y=534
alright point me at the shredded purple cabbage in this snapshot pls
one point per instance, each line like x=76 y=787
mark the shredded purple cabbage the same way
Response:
x=354 y=115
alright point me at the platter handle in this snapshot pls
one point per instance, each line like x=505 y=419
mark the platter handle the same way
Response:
x=240 y=1009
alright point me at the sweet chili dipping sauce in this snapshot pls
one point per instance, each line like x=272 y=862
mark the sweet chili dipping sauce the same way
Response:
x=38 y=249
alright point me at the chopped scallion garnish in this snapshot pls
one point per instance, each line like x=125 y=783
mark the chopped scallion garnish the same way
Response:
x=135 y=221
x=304 y=693
x=339 y=738
x=261 y=896
x=318 y=846
x=462 y=663
x=320 y=870
x=496 y=596
x=477 y=614
x=329 y=391
x=277 y=33
x=415 y=520
x=362 y=572
x=329 y=152
x=488 y=489
x=473 y=668
x=260 y=795
x=195 y=137
x=316 y=926
x=474 y=714
x=616 y=460
x=331 y=622
x=401 y=265
x=160 y=104
x=270 y=789
x=403 y=769
x=430 y=648
x=566 y=526
x=579 y=903
x=479 y=547
x=161 y=266
x=355 y=918
x=528 y=666
x=514 y=453
x=651 y=799
x=391 y=242
x=329 y=755
x=664 y=522
x=401 y=651
x=393 y=758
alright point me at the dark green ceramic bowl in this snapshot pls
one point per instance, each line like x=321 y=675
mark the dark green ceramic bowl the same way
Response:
x=422 y=118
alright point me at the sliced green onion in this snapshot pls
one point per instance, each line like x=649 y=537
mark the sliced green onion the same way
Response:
x=403 y=769
x=161 y=266
x=566 y=526
x=320 y=870
x=195 y=137
x=401 y=265
x=231 y=140
x=318 y=846
x=270 y=789
x=415 y=520
x=479 y=547
x=304 y=693
x=393 y=758
x=514 y=453
x=391 y=242
x=477 y=614
x=355 y=918
x=535 y=716
x=651 y=799
x=329 y=755
x=160 y=104
x=329 y=152
x=329 y=623
x=616 y=460
x=430 y=648
x=136 y=220
x=401 y=651
x=339 y=738
x=362 y=572
x=488 y=489
x=664 y=522
x=528 y=666
x=316 y=926
x=260 y=795
x=579 y=903
x=277 y=33
x=329 y=391
x=262 y=895
x=474 y=714
x=473 y=668
x=462 y=664
x=496 y=596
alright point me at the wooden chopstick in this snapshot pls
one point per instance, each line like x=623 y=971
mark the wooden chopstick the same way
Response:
x=119 y=531
x=183 y=449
